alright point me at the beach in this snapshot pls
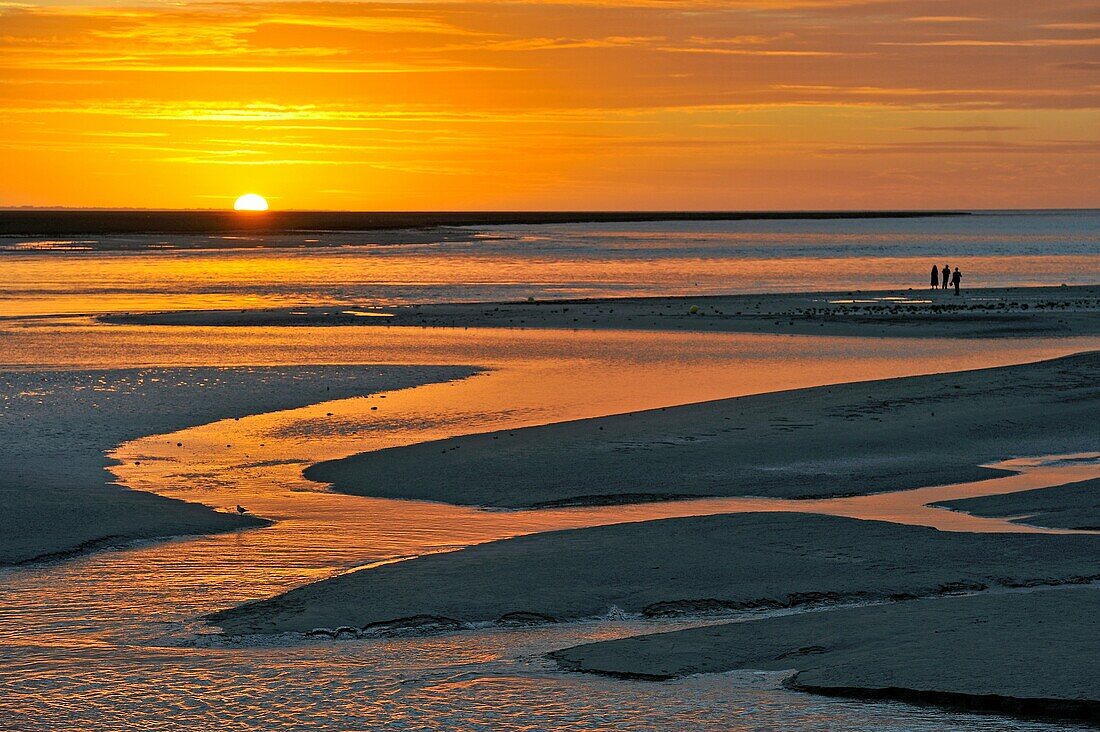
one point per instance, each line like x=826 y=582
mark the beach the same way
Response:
x=675 y=567
x=849 y=440
x=794 y=503
x=818 y=546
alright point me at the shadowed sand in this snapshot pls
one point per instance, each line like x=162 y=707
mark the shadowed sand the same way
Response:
x=919 y=313
x=1029 y=653
x=827 y=441
x=673 y=567
x=57 y=495
x=1072 y=506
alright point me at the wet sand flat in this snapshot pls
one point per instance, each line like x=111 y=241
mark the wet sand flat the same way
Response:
x=683 y=566
x=1029 y=653
x=828 y=441
x=918 y=313
x=57 y=495
x=848 y=439
x=1072 y=506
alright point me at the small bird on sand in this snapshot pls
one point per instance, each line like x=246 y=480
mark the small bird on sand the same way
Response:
x=241 y=509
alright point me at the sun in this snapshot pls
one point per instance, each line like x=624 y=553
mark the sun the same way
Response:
x=250 y=202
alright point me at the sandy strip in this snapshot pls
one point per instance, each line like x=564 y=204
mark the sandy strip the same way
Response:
x=1072 y=506
x=1029 y=653
x=919 y=313
x=57 y=496
x=828 y=441
x=672 y=567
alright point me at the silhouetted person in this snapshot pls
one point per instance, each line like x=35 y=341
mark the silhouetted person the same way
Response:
x=956 y=278
x=946 y=275
x=935 y=277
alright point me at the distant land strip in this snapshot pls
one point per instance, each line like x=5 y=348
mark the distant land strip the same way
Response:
x=72 y=222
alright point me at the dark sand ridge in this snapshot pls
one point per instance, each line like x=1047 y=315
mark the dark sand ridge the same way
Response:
x=58 y=498
x=847 y=439
x=1072 y=506
x=978 y=313
x=1027 y=653
x=673 y=567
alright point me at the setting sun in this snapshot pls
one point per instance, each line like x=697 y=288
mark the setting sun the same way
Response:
x=250 y=202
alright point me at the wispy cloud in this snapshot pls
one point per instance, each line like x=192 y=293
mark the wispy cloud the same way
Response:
x=1019 y=43
x=967 y=128
x=944 y=19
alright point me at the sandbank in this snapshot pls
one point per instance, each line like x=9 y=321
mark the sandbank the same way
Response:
x=842 y=440
x=686 y=566
x=1071 y=506
x=1030 y=654
x=58 y=497
x=917 y=313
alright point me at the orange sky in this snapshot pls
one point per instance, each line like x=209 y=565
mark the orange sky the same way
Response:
x=740 y=104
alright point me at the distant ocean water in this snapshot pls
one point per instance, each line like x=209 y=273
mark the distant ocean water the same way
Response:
x=156 y=271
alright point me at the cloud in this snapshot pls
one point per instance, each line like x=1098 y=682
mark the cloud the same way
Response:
x=557 y=44
x=1071 y=26
x=967 y=128
x=515 y=91
x=710 y=50
x=971 y=147
x=1020 y=43
x=944 y=19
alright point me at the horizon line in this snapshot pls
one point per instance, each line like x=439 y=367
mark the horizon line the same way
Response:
x=555 y=211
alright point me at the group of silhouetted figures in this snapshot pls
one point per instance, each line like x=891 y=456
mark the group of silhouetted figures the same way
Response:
x=949 y=278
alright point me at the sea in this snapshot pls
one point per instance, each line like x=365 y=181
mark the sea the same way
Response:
x=151 y=271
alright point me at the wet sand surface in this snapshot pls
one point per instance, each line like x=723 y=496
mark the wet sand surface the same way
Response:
x=55 y=427
x=984 y=652
x=1071 y=506
x=831 y=441
x=115 y=639
x=976 y=313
